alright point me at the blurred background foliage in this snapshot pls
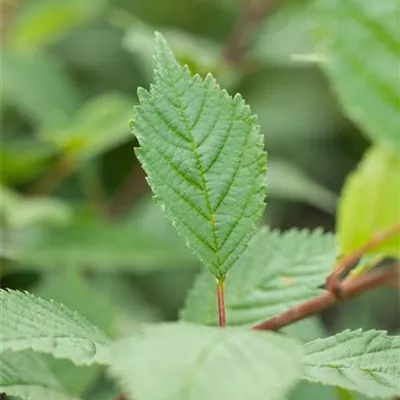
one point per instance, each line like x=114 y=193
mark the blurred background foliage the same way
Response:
x=78 y=222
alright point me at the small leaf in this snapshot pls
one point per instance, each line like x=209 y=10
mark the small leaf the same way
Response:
x=370 y=202
x=38 y=87
x=29 y=322
x=42 y=21
x=367 y=362
x=204 y=158
x=196 y=362
x=100 y=125
x=367 y=89
x=278 y=271
x=26 y=375
x=200 y=53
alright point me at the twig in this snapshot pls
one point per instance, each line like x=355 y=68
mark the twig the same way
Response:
x=347 y=262
x=253 y=12
x=221 y=302
x=350 y=288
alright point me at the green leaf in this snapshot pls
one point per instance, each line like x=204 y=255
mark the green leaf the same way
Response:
x=19 y=212
x=25 y=375
x=41 y=22
x=71 y=288
x=101 y=124
x=286 y=181
x=38 y=87
x=278 y=271
x=370 y=202
x=29 y=322
x=367 y=362
x=22 y=159
x=367 y=89
x=284 y=34
x=145 y=241
x=201 y=54
x=196 y=362
x=204 y=158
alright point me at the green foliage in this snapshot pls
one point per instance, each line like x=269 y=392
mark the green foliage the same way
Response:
x=26 y=75
x=142 y=242
x=76 y=234
x=26 y=375
x=29 y=322
x=286 y=181
x=22 y=159
x=42 y=21
x=278 y=271
x=203 y=154
x=367 y=89
x=20 y=212
x=288 y=27
x=367 y=362
x=370 y=202
x=197 y=362
x=98 y=126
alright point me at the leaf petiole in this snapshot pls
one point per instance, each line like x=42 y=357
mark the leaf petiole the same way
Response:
x=221 y=302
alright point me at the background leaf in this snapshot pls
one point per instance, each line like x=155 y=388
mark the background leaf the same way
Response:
x=203 y=155
x=37 y=85
x=145 y=241
x=25 y=374
x=367 y=89
x=284 y=34
x=196 y=362
x=21 y=211
x=29 y=322
x=367 y=362
x=101 y=124
x=22 y=159
x=278 y=271
x=43 y=21
x=370 y=202
x=286 y=181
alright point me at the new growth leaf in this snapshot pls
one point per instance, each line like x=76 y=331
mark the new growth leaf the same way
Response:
x=203 y=154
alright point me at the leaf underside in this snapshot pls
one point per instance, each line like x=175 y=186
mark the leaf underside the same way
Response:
x=26 y=375
x=368 y=362
x=191 y=362
x=367 y=89
x=29 y=322
x=277 y=271
x=203 y=154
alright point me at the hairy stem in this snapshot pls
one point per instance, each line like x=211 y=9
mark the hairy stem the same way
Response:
x=349 y=261
x=349 y=288
x=221 y=302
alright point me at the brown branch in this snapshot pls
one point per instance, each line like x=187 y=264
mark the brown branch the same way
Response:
x=253 y=12
x=349 y=261
x=350 y=288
